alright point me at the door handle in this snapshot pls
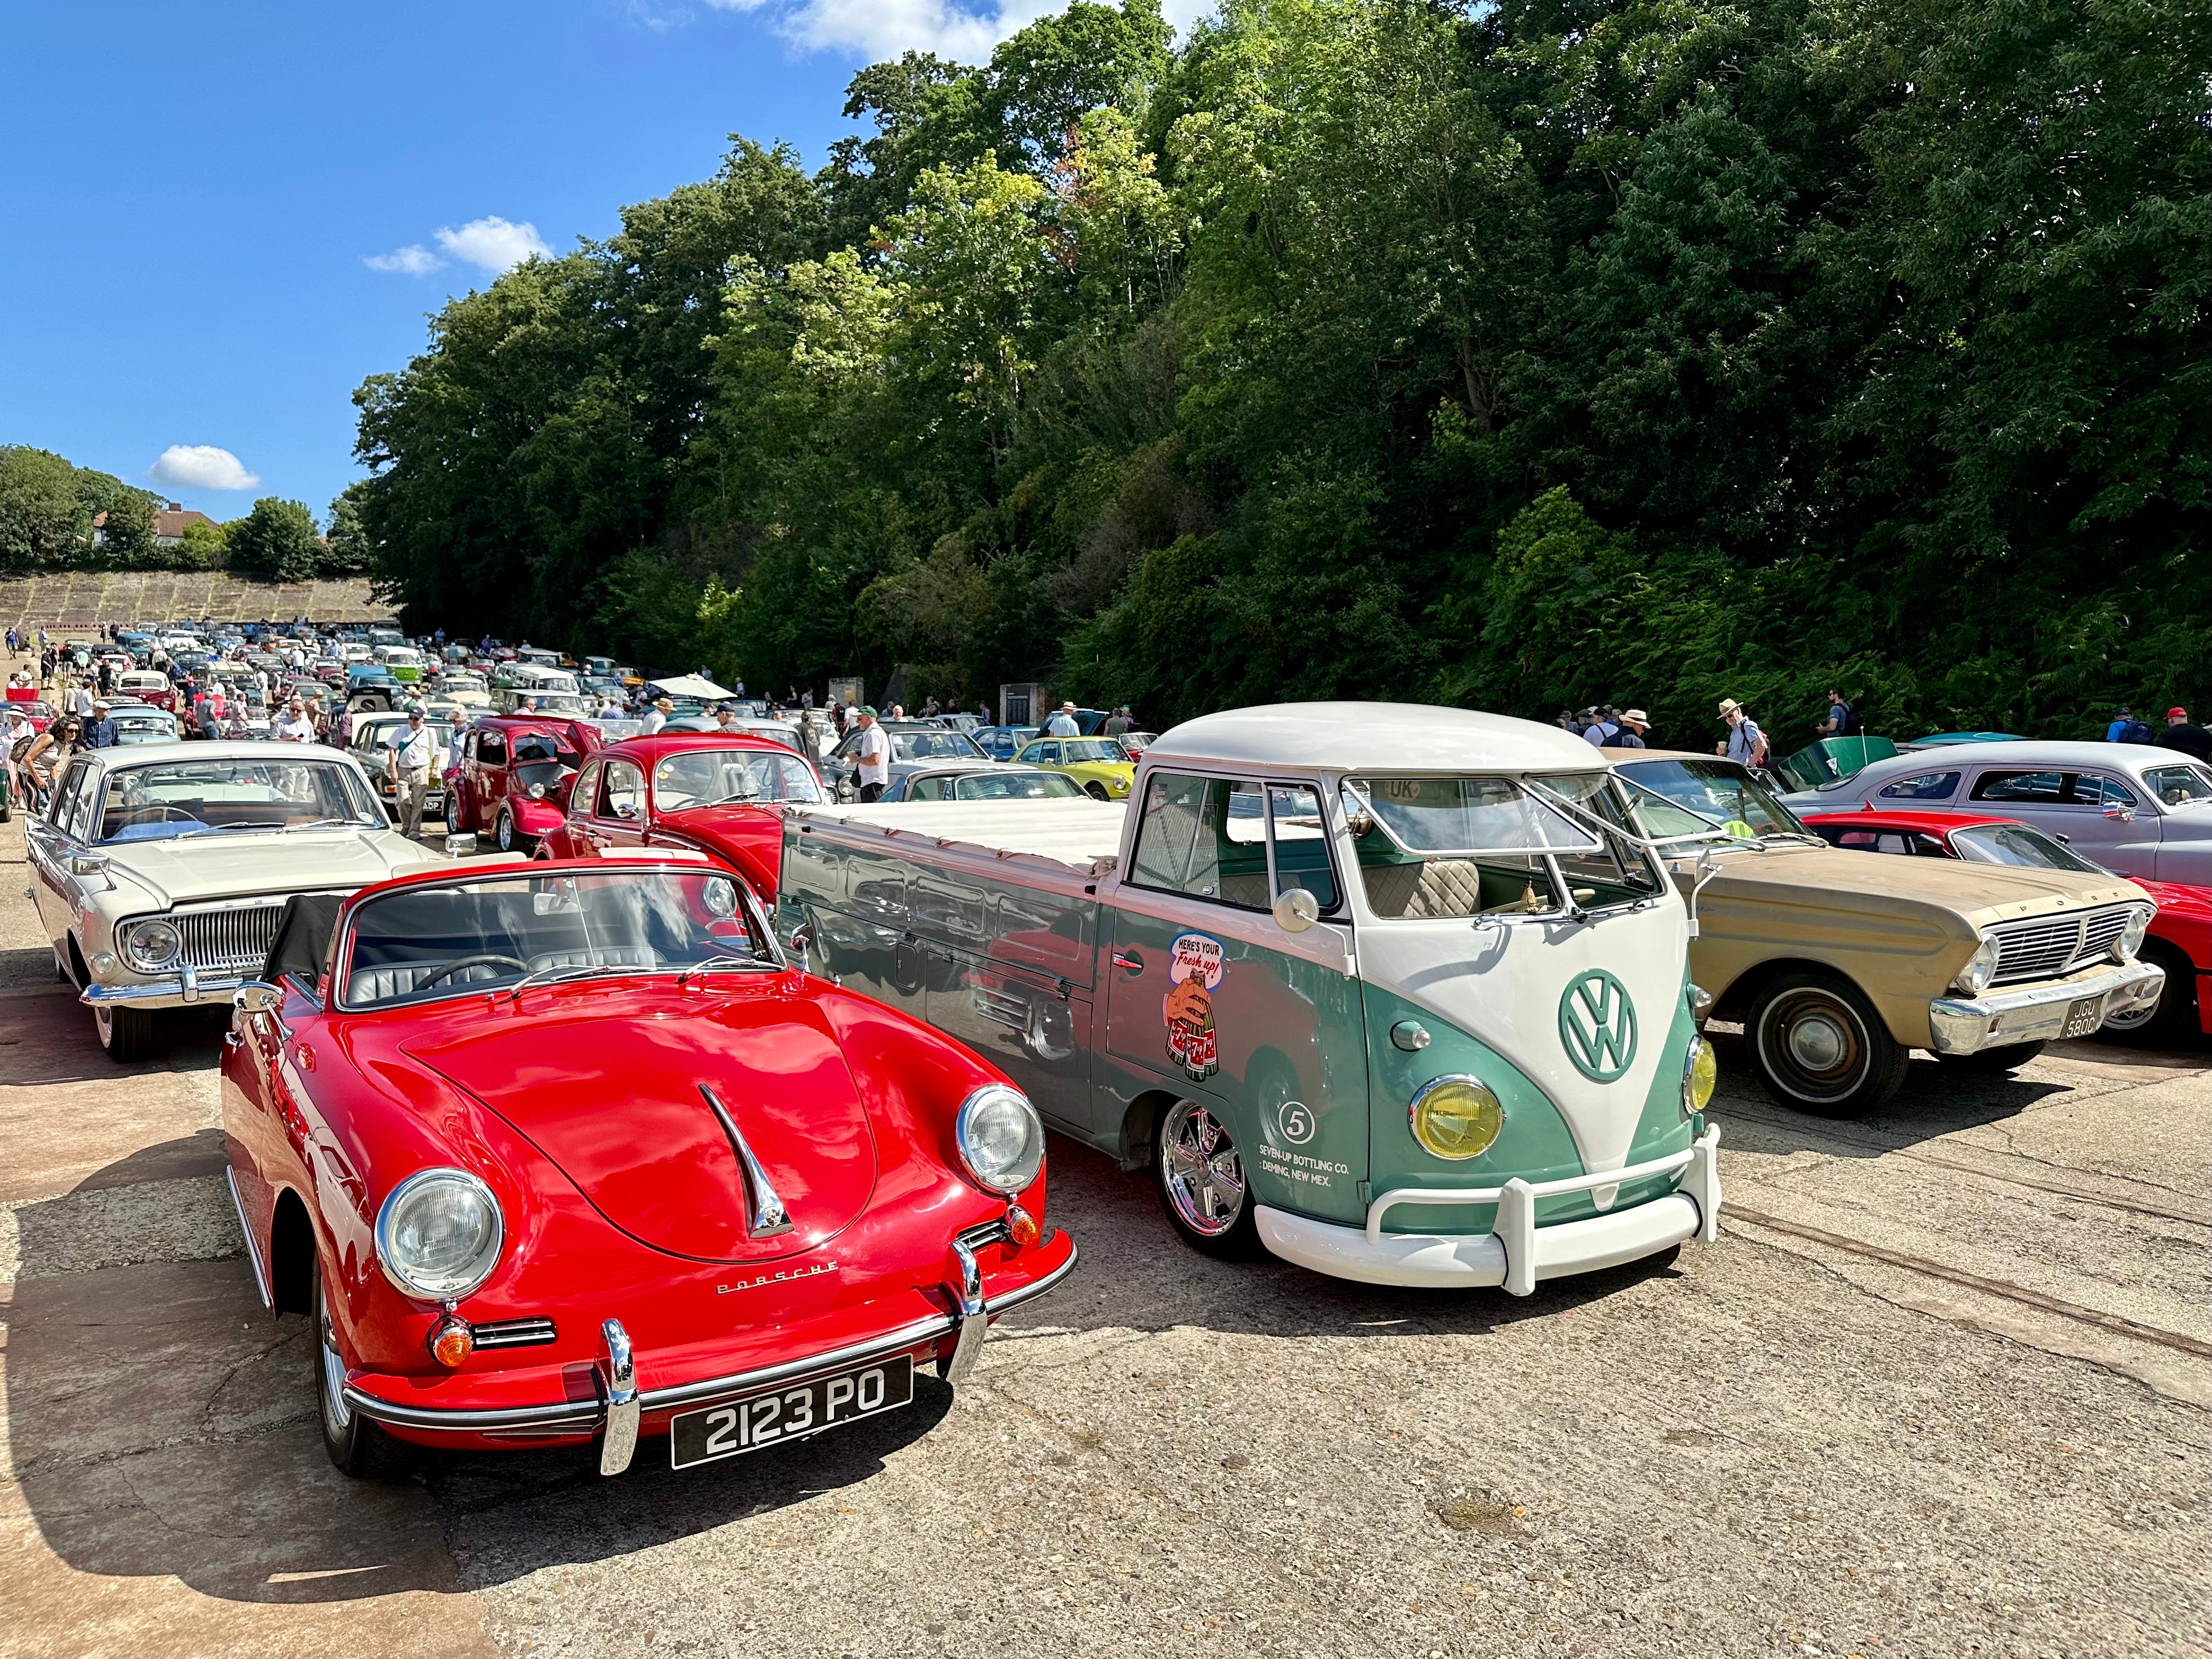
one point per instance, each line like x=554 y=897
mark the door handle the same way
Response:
x=1130 y=961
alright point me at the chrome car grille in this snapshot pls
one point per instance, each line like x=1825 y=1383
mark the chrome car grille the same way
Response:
x=2053 y=945
x=513 y=1334
x=232 y=939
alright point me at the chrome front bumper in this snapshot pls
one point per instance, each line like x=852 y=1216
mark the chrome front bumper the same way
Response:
x=2040 y=1014
x=189 y=987
x=1516 y=1254
x=619 y=1404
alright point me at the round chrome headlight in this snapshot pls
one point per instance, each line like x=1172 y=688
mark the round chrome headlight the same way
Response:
x=1981 y=968
x=1456 y=1117
x=1700 y=1071
x=439 y=1234
x=1001 y=1137
x=2129 y=944
x=151 y=946
x=537 y=792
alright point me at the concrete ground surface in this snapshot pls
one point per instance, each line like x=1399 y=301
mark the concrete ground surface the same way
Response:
x=1940 y=1389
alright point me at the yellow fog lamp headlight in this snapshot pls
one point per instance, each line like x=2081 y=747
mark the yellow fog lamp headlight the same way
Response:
x=1456 y=1117
x=1700 y=1071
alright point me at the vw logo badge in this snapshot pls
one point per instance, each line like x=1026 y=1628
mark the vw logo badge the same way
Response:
x=1597 y=1025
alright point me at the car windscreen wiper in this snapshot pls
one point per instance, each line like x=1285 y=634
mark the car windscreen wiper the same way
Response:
x=713 y=964
x=556 y=975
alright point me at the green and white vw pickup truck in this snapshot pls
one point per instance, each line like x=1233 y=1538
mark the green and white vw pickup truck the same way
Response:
x=1388 y=990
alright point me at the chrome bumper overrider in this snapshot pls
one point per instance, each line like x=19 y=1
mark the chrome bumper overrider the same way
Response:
x=2063 y=1008
x=619 y=1405
x=1516 y=1254
x=189 y=986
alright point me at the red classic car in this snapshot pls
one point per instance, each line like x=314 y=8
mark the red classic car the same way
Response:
x=2180 y=939
x=512 y=775
x=712 y=790
x=558 y=1153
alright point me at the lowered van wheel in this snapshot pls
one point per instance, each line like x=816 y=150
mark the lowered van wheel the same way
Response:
x=1202 y=1187
x=1818 y=1045
x=1994 y=1062
x=126 y=1032
x=358 y=1447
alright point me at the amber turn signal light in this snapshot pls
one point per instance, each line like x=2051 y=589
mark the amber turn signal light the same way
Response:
x=453 y=1341
x=1021 y=1227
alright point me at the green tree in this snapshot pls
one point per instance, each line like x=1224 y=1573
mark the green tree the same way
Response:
x=40 y=510
x=276 y=542
x=347 y=550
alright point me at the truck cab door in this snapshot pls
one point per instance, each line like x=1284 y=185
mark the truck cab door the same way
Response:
x=1207 y=995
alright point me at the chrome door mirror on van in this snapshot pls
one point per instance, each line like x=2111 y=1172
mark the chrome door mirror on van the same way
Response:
x=1296 y=910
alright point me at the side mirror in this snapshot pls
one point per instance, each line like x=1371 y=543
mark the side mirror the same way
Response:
x=802 y=940
x=1296 y=910
x=88 y=864
x=625 y=809
x=2120 y=814
x=256 y=997
x=462 y=845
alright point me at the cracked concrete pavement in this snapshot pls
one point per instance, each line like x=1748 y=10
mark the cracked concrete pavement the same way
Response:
x=1917 y=1439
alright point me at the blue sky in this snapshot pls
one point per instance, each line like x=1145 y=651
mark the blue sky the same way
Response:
x=193 y=192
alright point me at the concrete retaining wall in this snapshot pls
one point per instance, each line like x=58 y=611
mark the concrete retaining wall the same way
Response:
x=86 y=598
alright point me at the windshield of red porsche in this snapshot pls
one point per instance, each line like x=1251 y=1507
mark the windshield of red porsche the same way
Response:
x=509 y=933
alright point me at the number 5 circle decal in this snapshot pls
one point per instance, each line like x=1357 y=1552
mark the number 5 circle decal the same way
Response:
x=1296 y=1120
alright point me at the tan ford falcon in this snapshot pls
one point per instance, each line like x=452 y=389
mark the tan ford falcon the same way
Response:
x=1838 y=965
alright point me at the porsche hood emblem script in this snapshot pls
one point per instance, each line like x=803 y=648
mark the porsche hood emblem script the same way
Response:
x=784 y=1276
x=1597 y=1025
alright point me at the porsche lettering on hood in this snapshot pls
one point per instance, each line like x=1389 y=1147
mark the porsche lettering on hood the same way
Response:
x=615 y=1103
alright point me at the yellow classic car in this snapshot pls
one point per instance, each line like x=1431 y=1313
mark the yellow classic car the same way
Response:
x=1838 y=965
x=1101 y=765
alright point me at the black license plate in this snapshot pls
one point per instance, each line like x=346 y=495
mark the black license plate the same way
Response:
x=804 y=1408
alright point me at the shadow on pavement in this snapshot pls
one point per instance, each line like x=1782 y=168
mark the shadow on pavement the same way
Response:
x=52 y=1039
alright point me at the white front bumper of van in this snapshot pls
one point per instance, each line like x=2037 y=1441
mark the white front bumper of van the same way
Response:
x=1519 y=1253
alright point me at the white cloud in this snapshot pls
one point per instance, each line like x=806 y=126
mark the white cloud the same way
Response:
x=413 y=260
x=495 y=243
x=200 y=466
x=883 y=29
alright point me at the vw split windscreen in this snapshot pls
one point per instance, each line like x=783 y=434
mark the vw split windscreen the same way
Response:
x=1390 y=991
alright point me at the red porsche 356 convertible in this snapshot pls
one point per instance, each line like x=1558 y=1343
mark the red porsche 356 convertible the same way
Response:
x=715 y=791
x=558 y=1152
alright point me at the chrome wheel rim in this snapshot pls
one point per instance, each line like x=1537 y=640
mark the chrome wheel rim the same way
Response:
x=505 y=832
x=337 y=1416
x=1817 y=1042
x=1203 y=1172
x=2135 y=1019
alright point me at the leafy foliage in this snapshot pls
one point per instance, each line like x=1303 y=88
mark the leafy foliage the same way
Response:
x=1524 y=355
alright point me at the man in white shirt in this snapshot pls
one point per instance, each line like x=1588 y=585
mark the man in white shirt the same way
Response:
x=1062 y=723
x=872 y=756
x=662 y=708
x=408 y=764
x=296 y=726
x=81 y=701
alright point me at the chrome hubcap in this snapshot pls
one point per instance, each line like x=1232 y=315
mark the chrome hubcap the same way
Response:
x=1817 y=1042
x=1203 y=1174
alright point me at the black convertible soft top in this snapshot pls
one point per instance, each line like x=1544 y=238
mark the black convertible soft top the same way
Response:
x=302 y=946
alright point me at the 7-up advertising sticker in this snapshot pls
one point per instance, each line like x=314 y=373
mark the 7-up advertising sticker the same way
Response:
x=1195 y=967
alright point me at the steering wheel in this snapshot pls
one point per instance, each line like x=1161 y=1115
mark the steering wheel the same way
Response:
x=452 y=968
x=161 y=812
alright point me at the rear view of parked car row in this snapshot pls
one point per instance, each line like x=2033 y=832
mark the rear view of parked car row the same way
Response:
x=733 y=1099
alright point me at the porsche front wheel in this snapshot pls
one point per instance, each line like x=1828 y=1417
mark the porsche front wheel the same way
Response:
x=1818 y=1045
x=1202 y=1185
x=357 y=1447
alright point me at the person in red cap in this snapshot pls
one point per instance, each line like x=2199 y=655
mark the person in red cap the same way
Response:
x=2190 y=740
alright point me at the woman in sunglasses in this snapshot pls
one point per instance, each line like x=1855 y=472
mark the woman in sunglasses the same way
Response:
x=48 y=757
